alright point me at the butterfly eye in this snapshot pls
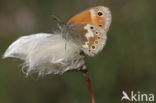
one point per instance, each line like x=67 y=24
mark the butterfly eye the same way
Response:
x=100 y=13
x=91 y=27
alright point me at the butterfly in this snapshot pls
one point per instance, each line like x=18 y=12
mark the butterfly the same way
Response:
x=88 y=29
x=56 y=53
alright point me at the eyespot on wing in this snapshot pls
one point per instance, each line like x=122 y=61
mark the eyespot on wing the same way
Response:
x=96 y=39
x=98 y=16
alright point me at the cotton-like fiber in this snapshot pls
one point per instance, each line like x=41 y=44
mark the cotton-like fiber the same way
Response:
x=45 y=54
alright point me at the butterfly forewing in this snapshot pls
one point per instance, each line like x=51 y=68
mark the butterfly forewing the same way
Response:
x=99 y=16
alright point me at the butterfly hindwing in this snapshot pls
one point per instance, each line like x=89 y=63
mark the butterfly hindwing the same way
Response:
x=90 y=38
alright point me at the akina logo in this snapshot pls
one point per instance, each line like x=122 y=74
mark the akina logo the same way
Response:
x=138 y=96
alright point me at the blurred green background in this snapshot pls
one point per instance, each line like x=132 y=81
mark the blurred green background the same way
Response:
x=128 y=61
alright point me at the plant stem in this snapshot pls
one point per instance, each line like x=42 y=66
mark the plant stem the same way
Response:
x=86 y=75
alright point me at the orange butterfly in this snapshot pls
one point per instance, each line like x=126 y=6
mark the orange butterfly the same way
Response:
x=88 y=29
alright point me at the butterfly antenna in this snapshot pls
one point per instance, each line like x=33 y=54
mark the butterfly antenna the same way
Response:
x=58 y=21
